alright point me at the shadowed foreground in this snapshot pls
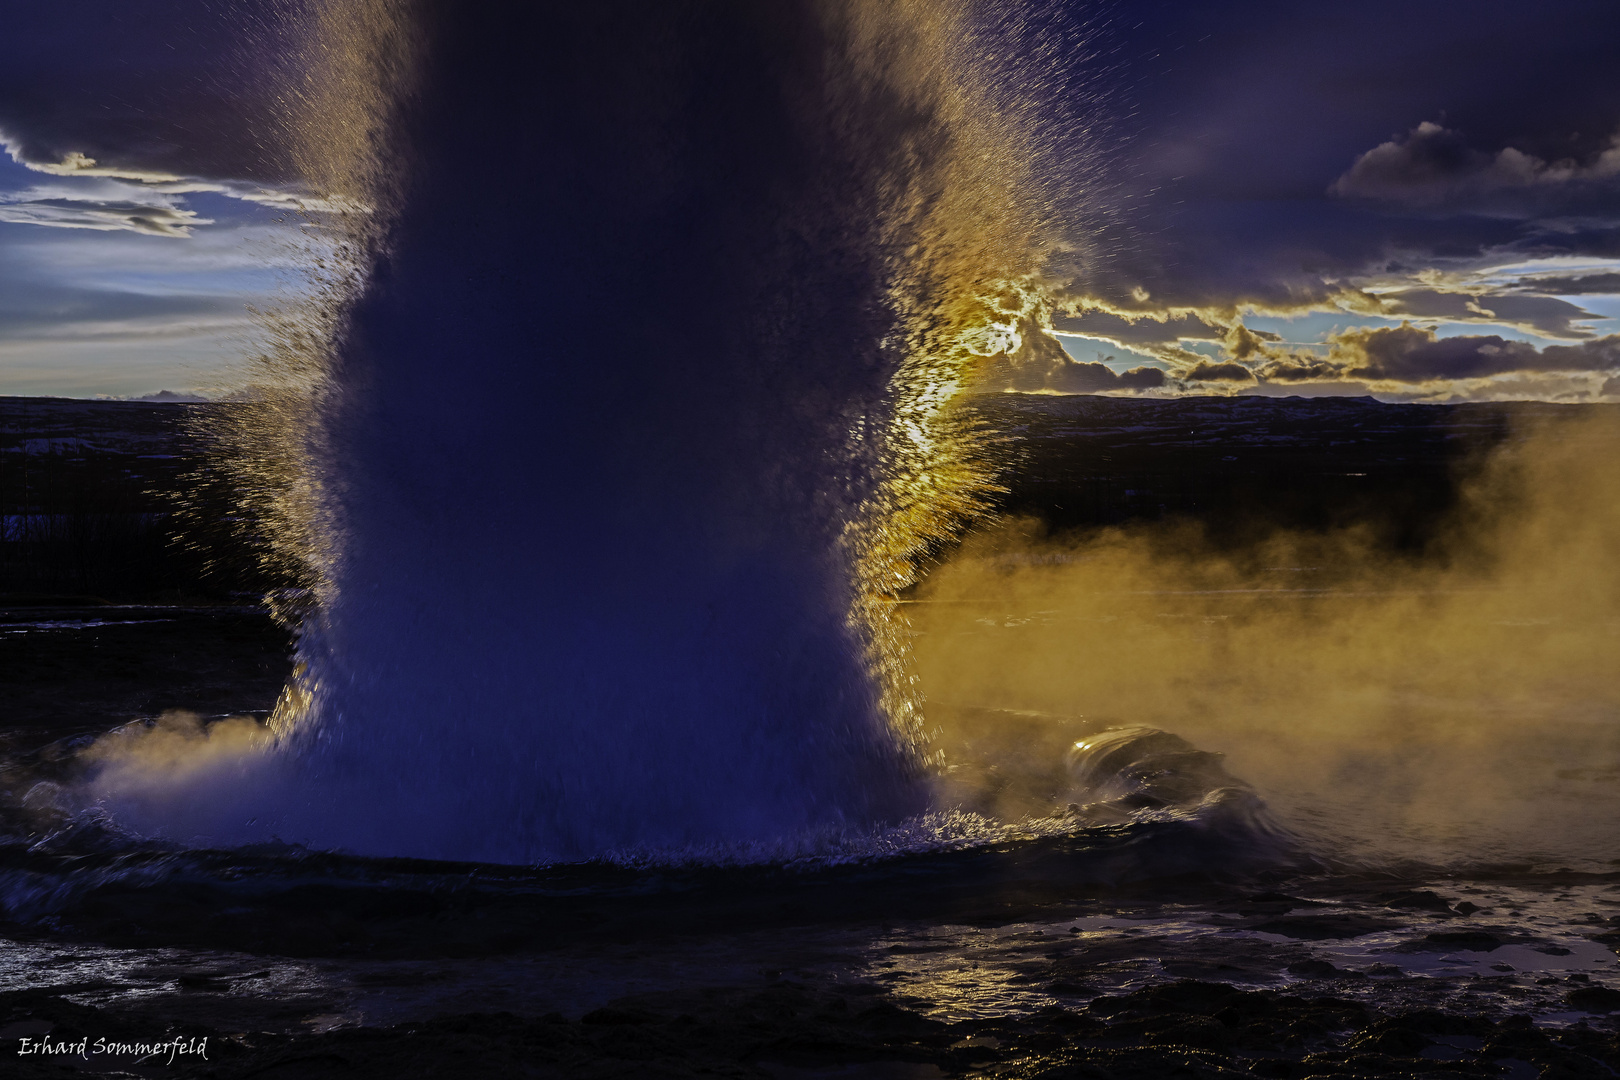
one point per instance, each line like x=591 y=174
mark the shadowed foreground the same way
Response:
x=789 y=1030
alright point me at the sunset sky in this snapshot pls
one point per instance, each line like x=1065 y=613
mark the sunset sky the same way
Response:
x=1420 y=201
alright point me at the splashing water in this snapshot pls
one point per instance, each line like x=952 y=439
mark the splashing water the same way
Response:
x=628 y=395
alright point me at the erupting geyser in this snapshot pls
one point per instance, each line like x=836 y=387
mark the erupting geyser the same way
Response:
x=604 y=467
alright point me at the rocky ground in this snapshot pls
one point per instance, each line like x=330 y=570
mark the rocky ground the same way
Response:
x=1182 y=1029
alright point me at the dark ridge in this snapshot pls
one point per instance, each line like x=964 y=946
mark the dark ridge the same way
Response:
x=87 y=488
x=1244 y=466
x=88 y=491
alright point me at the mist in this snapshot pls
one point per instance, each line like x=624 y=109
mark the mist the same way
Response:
x=1457 y=703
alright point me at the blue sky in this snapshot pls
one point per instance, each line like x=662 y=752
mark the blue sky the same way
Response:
x=1391 y=199
x=95 y=301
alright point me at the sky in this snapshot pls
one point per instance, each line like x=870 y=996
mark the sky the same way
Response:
x=143 y=208
x=1419 y=201
x=1415 y=200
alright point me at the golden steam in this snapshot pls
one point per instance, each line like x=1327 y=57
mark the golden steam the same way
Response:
x=176 y=747
x=1459 y=703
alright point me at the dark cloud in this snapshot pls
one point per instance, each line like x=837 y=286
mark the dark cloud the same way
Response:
x=154 y=218
x=1583 y=285
x=1545 y=315
x=1218 y=371
x=190 y=88
x=1041 y=364
x=1416 y=354
x=1241 y=343
x=1226 y=181
x=1300 y=369
x=1601 y=354
x=1611 y=387
x=1086 y=377
x=1425 y=166
x=1144 y=332
x=1433 y=166
x=1079 y=377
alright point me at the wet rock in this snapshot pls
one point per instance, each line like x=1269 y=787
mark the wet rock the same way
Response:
x=1423 y=900
x=1206 y=970
x=1248 y=1009
x=1435 y=1022
x=1517 y=1037
x=1464 y=940
x=1060 y=1019
x=1195 y=1031
x=1594 y=999
x=1270 y=904
x=616 y=1017
x=1186 y=995
x=890 y=1019
x=1393 y=1038
x=1325 y=927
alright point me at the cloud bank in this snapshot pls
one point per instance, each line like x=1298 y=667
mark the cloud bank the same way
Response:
x=1433 y=166
x=155 y=215
x=1374 y=170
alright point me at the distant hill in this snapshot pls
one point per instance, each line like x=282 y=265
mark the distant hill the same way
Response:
x=170 y=396
x=1244 y=465
x=86 y=492
x=62 y=453
x=86 y=487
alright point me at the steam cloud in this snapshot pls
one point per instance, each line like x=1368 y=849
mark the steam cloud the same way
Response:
x=1462 y=702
